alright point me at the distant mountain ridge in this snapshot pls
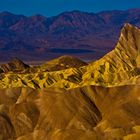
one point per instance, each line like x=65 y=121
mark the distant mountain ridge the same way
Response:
x=86 y=35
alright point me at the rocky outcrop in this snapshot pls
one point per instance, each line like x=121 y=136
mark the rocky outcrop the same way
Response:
x=120 y=64
x=15 y=65
x=62 y=63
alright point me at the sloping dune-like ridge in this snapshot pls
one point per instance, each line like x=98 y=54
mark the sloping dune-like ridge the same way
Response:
x=91 y=112
x=25 y=110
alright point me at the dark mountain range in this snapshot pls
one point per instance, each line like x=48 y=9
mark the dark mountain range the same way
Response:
x=86 y=35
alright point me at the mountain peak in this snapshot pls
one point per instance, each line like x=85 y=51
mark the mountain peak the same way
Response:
x=14 y=65
x=63 y=62
x=129 y=40
x=16 y=60
x=128 y=26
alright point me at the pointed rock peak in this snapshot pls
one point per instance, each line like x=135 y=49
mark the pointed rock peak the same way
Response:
x=128 y=25
x=16 y=60
x=63 y=62
x=130 y=35
x=69 y=59
x=67 y=56
x=129 y=41
x=14 y=65
x=17 y=64
x=128 y=28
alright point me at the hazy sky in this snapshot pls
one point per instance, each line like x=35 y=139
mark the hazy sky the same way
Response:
x=54 y=7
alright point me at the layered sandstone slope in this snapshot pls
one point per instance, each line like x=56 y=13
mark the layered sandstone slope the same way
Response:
x=120 y=64
x=24 y=111
x=87 y=113
x=63 y=62
x=15 y=65
x=18 y=112
x=64 y=72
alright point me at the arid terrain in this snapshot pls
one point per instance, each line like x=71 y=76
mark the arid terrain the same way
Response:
x=69 y=99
